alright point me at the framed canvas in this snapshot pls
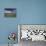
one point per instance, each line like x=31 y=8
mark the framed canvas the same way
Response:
x=10 y=12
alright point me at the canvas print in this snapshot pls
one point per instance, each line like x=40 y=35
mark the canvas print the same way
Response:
x=10 y=12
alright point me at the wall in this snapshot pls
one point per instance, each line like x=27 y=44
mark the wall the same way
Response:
x=7 y=25
x=28 y=12
x=33 y=12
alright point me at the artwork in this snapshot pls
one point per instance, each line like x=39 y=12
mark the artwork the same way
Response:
x=33 y=32
x=10 y=12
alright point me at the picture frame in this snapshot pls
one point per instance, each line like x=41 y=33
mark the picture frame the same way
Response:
x=10 y=12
